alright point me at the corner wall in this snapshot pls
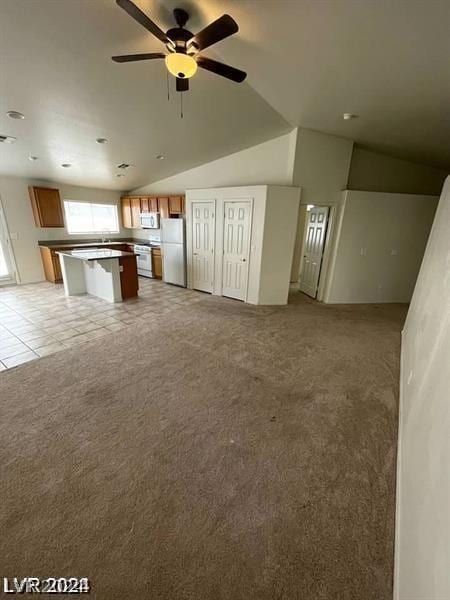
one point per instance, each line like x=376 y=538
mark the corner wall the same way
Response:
x=422 y=554
x=375 y=172
x=321 y=168
x=20 y=222
x=379 y=247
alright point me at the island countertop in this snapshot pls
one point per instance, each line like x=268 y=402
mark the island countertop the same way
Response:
x=96 y=254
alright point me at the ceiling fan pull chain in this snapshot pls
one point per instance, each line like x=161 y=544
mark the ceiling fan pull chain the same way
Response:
x=181 y=104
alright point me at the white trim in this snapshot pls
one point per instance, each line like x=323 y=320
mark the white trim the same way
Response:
x=334 y=242
x=189 y=238
x=250 y=201
x=93 y=231
x=15 y=275
x=396 y=582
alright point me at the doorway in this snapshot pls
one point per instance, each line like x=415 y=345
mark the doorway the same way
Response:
x=203 y=230
x=236 y=246
x=7 y=265
x=313 y=249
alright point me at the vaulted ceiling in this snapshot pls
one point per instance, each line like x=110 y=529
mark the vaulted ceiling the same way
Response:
x=308 y=62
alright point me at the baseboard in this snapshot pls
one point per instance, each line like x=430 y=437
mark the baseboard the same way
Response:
x=396 y=582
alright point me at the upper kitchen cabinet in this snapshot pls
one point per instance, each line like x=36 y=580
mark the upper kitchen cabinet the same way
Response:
x=131 y=210
x=163 y=203
x=46 y=205
x=153 y=204
x=176 y=205
x=145 y=205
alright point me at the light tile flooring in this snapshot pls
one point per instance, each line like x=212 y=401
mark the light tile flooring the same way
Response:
x=38 y=320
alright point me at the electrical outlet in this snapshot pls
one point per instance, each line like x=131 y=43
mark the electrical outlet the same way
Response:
x=394 y=252
x=14 y=236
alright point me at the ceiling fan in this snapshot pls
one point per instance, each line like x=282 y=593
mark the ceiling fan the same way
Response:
x=184 y=47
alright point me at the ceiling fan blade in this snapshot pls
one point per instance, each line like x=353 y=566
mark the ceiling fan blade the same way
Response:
x=137 y=14
x=182 y=85
x=221 y=69
x=133 y=57
x=216 y=31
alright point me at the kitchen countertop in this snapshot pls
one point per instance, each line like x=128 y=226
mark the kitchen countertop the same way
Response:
x=96 y=254
x=92 y=243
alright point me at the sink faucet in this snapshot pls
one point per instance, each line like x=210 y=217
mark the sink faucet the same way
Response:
x=103 y=235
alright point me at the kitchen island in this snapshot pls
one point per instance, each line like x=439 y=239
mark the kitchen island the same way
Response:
x=108 y=274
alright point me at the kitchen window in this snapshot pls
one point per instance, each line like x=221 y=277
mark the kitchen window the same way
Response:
x=87 y=217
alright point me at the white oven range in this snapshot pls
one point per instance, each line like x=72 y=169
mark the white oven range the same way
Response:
x=144 y=260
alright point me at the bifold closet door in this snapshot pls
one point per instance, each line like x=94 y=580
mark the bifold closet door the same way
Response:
x=203 y=229
x=236 y=245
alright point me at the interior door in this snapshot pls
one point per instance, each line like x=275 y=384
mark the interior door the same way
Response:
x=7 y=273
x=313 y=249
x=203 y=246
x=236 y=243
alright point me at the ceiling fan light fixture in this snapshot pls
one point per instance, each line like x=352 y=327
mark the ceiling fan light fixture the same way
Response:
x=181 y=65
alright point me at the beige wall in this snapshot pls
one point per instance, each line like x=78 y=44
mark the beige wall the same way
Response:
x=25 y=235
x=321 y=168
x=422 y=555
x=379 y=246
x=374 y=172
x=267 y=163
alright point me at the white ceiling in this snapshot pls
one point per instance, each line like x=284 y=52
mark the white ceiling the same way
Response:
x=56 y=68
x=385 y=60
x=308 y=61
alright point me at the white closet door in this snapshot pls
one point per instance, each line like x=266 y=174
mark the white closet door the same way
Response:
x=314 y=246
x=236 y=242
x=203 y=246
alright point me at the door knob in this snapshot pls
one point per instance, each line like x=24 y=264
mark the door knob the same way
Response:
x=243 y=260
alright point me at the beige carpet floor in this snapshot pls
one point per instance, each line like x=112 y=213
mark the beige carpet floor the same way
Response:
x=224 y=452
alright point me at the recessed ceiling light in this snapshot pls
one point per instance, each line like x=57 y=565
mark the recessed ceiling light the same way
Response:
x=349 y=116
x=160 y=157
x=32 y=158
x=7 y=139
x=101 y=141
x=14 y=114
x=66 y=165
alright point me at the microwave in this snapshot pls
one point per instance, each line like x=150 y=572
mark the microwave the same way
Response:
x=150 y=220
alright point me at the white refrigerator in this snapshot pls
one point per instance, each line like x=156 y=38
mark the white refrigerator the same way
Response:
x=173 y=233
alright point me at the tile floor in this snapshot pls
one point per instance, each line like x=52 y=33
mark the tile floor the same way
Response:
x=37 y=319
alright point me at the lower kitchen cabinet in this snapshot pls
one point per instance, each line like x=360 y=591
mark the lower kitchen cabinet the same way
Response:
x=129 y=284
x=50 y=262
x=157 y=263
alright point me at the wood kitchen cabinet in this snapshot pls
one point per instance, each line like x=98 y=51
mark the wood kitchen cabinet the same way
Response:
x=131 y=210
x=163 y=203
x=157 y=263
x=166 y=206
x=176 y=205
x=129 y=283
x=46 y=205
x=154 y=204
x=51 y=264
x=145 y=204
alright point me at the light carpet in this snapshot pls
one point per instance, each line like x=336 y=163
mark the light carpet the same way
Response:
x=226 y=452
